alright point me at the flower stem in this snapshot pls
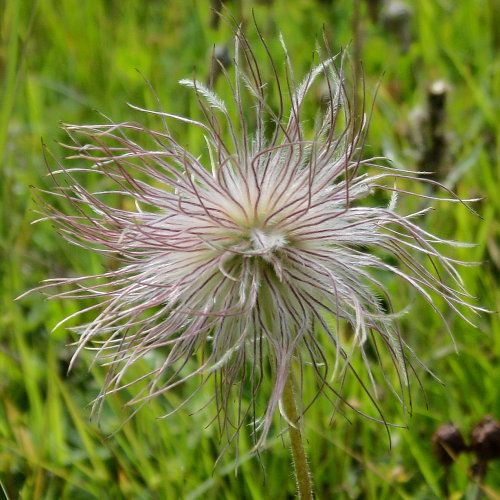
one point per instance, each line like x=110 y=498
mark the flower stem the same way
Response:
x=300 y=464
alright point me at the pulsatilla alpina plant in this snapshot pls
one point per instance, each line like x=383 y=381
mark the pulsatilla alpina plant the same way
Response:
x=245 y=254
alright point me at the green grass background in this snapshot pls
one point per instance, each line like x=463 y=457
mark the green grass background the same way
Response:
x=60 y=60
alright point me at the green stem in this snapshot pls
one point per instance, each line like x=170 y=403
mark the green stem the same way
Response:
x=300 y=464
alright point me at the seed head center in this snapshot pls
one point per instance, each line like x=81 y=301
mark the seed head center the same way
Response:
x=267 y=240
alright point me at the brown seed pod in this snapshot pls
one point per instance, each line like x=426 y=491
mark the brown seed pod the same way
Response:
x=447 y=443
x=396 y=17
x=220 y=59
x=485 y=439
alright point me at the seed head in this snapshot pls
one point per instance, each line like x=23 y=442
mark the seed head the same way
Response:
x=245 y=254
x=447 y=443
x=485 y=439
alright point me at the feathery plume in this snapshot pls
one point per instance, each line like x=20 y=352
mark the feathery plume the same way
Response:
x=246 y=253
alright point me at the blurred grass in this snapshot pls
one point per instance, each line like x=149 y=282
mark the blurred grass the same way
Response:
x=60 y=61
